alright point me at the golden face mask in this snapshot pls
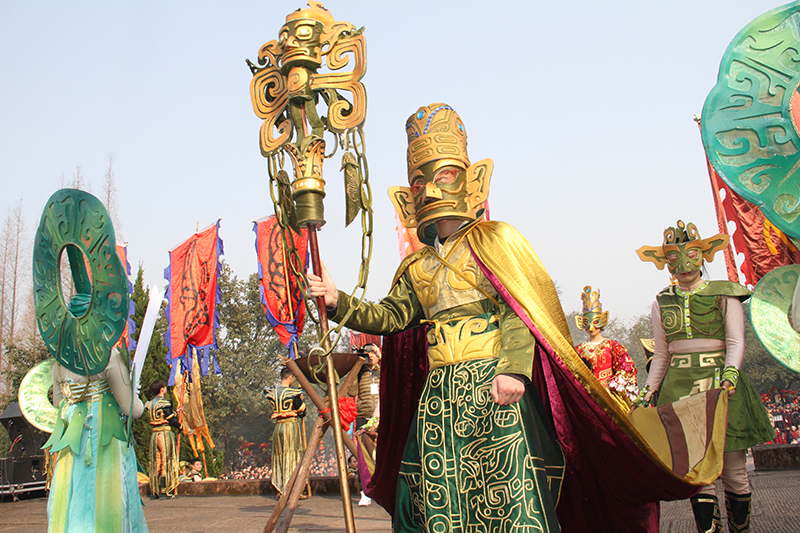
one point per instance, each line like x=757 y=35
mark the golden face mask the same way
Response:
x=301 y=37
x=593 y=314
x=443 y=183
x=683 y=250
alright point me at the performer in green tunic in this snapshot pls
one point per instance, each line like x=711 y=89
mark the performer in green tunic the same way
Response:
x=163 y=469
x=93 y=483
x=699 y=344
x=288 y=410
x=477 y=456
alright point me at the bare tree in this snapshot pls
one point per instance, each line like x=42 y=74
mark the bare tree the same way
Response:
x=5 y=244
x=110 y=199
x=78 y=181
x=14 y=250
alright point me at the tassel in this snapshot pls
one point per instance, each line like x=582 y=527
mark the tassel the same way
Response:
x=87 y=458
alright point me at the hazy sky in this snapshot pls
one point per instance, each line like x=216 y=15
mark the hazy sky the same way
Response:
x=585 y=107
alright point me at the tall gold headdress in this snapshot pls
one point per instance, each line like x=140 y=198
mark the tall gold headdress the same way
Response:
x=593 y=314
x=437 y=138
x=436 y=133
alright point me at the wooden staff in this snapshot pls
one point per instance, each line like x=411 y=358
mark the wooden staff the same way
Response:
x=305 y=446
x=344 y=484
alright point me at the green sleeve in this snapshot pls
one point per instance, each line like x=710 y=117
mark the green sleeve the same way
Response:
x=517 y=350
x=395 y=313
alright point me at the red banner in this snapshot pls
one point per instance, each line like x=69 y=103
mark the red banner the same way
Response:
x=193 y=294
x=359 y=340
x=761 y=245
x=122 y=252
x=280 y=293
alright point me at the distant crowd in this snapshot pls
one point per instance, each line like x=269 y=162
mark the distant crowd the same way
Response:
x=323 y=465
x=784 y=413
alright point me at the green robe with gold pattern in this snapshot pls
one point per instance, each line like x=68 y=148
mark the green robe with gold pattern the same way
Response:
x=469 y=463
x=287 y=441
x=700 y=314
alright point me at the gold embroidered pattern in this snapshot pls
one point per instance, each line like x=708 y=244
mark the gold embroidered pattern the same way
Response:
x=476 y=469
x=460 y=340
x=440 y=287
x=691 y=373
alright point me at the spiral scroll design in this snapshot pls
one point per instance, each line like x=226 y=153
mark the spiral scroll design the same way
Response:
x=83 y=343
x=671 y=318
x=749 y=121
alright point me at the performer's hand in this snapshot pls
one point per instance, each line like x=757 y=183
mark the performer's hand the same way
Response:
x=644 y=397
x=323 y=286
x=727 y=385
x=507 y=388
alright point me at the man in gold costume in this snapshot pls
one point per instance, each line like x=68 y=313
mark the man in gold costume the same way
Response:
x=288 y=410
x=163 y=471
x=479 y=456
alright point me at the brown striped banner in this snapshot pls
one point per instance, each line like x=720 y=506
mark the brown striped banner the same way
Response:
x=688 y=435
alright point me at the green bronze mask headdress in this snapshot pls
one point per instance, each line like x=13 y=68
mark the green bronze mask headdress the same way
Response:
x=443 y=183
x=593 y=314
x=79 y=329
x=683 y=250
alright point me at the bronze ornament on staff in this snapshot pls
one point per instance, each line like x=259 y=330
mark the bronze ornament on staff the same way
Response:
x=285 y=91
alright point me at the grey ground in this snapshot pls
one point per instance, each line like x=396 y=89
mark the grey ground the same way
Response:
x=776 y=510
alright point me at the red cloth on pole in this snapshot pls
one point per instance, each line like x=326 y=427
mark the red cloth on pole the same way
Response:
x=193 y=294
x=762 y=246
x=283 y=304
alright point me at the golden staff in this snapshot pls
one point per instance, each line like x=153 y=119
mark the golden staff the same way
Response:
x=285 y=91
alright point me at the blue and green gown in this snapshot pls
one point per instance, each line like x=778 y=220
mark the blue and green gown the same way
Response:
x=94 y=485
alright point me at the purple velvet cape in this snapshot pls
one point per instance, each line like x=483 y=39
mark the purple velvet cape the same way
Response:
x=610 y=485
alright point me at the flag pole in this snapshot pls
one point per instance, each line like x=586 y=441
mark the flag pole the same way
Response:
x=730 y=260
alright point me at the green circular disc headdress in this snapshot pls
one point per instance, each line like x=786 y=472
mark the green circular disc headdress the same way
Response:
x=751 y=118
x=769 y=312
x=81 y=326
x=33 y=400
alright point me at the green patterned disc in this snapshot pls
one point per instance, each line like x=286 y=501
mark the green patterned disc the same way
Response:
x=769 y=312
x=77 y=224
x=33 y=400
x=750 y=119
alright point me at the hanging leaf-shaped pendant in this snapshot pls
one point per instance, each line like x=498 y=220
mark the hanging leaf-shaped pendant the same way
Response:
x=285 y=199
x=352 y=187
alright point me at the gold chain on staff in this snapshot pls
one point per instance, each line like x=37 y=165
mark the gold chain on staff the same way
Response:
x=351 y=141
